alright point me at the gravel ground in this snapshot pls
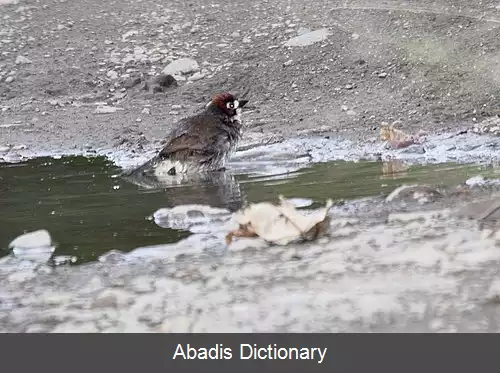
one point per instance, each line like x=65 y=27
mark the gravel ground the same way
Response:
x=432 y=64
x=79 y=76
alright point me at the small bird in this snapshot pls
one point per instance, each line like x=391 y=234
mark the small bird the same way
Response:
x=200 y=143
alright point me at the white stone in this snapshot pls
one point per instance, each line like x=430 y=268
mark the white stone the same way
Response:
x=308 y=38
x=182 y=66
x=112 y=74
x=106 y=110
x=21 y=60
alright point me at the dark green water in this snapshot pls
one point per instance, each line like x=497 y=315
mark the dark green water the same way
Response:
x=88 y=211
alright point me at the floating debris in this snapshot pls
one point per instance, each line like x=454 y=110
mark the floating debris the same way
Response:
x=280 y=224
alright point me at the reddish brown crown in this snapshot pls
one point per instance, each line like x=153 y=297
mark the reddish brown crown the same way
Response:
x=221 y=99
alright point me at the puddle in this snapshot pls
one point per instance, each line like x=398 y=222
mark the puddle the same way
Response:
x=89 y=211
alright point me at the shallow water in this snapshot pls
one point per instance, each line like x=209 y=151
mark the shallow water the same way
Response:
x=89 y=210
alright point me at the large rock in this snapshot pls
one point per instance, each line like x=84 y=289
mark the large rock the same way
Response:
x=182 y=66
x=308 y=38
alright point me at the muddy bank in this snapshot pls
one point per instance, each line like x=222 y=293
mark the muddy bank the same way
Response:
x=73 y=79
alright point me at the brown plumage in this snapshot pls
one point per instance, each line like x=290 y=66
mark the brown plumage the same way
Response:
x=202 y=142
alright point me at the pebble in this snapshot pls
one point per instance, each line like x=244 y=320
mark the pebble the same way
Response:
x=146 y=111
x=21 y=60
x=382 y=75
x=9 y=79
x=308 y=38
x=173 y=112
x=175 y=107
x=106 y=110
x=112 y=74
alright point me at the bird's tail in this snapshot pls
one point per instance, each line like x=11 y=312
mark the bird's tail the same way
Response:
x=144 y=169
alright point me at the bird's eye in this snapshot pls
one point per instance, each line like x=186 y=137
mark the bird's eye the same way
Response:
x=230 y=105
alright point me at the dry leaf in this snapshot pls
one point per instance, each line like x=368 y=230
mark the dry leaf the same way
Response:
x=395 y=137
x=280 y=224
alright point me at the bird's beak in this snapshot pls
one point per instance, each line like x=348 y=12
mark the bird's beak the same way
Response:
x=242 y=103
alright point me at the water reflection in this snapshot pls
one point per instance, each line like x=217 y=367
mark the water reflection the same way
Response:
x=394 y=169
x=217 y=189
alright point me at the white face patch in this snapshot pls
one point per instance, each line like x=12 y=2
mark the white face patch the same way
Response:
x=233 y=105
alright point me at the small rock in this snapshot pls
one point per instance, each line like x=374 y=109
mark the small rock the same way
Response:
x=351 y=112
x=21 y=60
x=106 y=110
x=112 y=74
x=308 y=38
x=165 y=80
x=146 y=111
x=173 y=112
x=477 y=180
x=181 y=66
x=9 y=79
x=344 y=107
x=382 y=75
x=176 y=107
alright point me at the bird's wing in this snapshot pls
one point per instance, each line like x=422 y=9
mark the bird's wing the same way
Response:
x=191 y=138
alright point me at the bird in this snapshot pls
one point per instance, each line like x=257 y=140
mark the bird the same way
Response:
x=200 y=143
